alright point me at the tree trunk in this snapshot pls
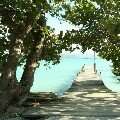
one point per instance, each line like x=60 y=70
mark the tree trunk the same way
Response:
x=31 y=65
x=9 y=86
x=12 y=91
x=8 y=81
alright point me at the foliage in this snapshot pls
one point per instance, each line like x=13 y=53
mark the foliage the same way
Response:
x=99 y=24
x=19 y=14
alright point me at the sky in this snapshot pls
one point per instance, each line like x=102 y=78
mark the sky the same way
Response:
x=63 y=26
x=58 y=25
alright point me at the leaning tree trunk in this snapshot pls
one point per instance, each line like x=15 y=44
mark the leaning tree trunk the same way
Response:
x=12 y=91
x=31 y=65
x=8 y=81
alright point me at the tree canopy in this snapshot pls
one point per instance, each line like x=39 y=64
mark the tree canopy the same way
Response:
x=15 y=15
x=99 y=24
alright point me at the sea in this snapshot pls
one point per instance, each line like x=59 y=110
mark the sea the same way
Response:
x=59 y=78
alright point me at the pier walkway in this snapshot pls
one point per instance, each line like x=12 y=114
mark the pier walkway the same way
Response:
x=87 y=99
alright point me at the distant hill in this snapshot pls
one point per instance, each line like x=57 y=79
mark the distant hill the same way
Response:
x=78 y=56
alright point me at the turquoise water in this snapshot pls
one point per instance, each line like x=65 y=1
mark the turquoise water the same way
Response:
x=58 y=78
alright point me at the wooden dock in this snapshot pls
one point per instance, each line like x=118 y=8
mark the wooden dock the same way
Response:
x=87 y=99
